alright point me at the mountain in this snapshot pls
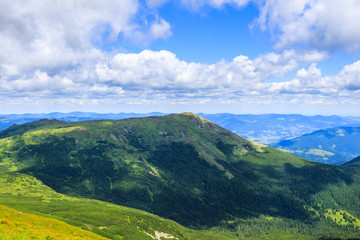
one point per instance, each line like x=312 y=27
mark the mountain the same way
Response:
x=353 y=163
x=165 y=165
x=188 y=169
x=272 y=128
x=334 y=145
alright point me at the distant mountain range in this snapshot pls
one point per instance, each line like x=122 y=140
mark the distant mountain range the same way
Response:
x=179 y=166
x=9 y=119
x=264 y=128
x=271 y=128
x=333 y=145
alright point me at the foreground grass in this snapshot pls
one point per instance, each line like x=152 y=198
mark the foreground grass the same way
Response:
x=19 y=225
x=27 y=194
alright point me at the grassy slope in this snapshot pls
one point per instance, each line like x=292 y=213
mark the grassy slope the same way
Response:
x=184 y=168
x=27 y=194
x=19 y=225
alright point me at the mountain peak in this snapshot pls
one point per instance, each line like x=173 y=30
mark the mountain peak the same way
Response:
x=190 y=114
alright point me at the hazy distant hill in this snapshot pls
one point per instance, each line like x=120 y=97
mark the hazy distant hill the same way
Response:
x=271 y=128
x=263 y=128
x=334 y=145
x=188 y=169
x=10 y=119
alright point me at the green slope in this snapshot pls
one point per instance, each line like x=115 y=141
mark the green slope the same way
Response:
x=27 y=194
x=185 y=168
x=19 y=225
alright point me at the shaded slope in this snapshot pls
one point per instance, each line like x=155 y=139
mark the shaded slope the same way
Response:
x=353 y=163
x=181 y=167
x=333 y=145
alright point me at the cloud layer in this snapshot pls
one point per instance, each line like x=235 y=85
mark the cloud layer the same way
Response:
x=71 y=51
x=160 y=74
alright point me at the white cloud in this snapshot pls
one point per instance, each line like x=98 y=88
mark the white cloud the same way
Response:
x=313 y=56
x=323 y=24
x=349 y=77
x=160 y=29
x=40 y=83
x=154 y=71
x=58 y=35
x=197 y=4
x=311 y=81
x=162 y=70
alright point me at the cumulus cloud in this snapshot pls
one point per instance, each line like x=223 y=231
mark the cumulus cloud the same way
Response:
x=39 y=83
x=155 y=71
x=163 y=70
x=349 y=77
x=159 y=77
x=160 y=29
x=311 y=81
x=56 y=35
x=323 y=24
x=167 y=76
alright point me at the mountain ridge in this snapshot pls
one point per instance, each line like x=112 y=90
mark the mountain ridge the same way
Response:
x=264 y=128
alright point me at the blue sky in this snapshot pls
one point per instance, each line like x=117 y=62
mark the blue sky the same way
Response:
x=212 y=34
x=238 y=56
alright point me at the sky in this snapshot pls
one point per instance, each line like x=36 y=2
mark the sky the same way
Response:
x=210 y=56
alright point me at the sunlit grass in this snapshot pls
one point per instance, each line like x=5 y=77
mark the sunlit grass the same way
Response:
x=27 y=194
x=19 y=225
